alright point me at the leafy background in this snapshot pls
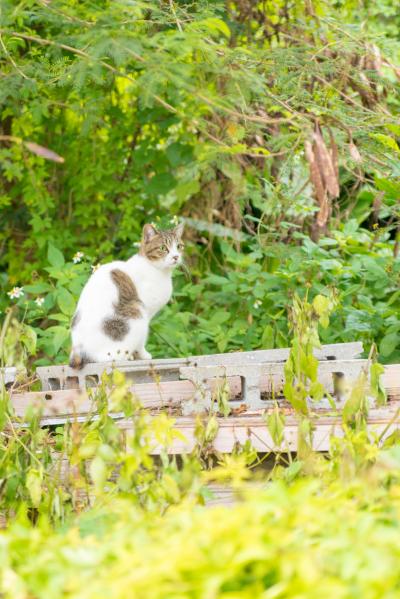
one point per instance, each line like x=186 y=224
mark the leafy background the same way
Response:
x=271 y=129
x=116 y=113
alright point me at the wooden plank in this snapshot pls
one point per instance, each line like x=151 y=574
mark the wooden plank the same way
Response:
x=232 y=431
x=391 y=380
x=57 y=405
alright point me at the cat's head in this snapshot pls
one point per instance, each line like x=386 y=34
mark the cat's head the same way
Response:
x=163 y=248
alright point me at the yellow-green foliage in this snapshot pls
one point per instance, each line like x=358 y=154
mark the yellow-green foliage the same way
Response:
x=312 y=539
x=91 y=514
x=120 y=524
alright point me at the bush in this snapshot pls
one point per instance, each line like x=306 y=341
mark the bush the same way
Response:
x=98 y=136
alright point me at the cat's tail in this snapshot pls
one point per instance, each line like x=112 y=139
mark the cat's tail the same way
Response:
x=78 y=358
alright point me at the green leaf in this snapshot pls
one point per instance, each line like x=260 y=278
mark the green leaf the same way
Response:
x=321 y=305
x=171 y=488
x=377 y=387
x=98 y=472
x=276 y=425
x=55 y=257
x=267 y=339
x=179 y=154
x=386 y=140
x=34 y=485
x=58 y=336
x=66 y=301
x=29 y=338
x=211 y=429
x=37 y=288
x=215 y=25
x=317 y=391
x=356 y=403
x=388 y=344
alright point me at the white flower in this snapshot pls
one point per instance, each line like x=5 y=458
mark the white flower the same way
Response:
x=78 y=257
x=95 y=267
x=174 y=220
x=16 y=292
x=39 y=301
x=257 y=304
x=136 y=244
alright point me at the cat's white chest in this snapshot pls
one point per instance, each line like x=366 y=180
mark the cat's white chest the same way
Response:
x=155 y=294
x=154 y=286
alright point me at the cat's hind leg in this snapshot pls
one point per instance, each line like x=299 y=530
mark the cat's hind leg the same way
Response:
x=143 y=354
x=139 y=331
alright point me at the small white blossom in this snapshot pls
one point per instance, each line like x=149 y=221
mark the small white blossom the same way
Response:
x=39 y=301
x=257 y=304
x=136 y=244
x=16 y=292
x=95 y=267
x=78 y=257
x=174 y=220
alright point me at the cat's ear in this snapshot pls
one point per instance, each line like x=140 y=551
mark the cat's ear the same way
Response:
x=178 y=231
x=149 y=231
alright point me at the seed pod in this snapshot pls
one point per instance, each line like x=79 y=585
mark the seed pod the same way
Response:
x=354 y=153
x=325 y=164
x=334 y=156
x=318 y=185
x=42 y=151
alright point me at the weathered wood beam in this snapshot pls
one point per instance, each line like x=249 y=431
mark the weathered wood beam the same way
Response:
x=237 y=430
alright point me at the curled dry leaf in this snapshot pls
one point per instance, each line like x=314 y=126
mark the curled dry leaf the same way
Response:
x=366 y=92
x=373 y=59
x=334 y=156
x=317 y=183
x=325 y=164
x=354 y=153
x=43 y=152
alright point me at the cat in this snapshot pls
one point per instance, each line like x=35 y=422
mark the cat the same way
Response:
x=113 y=314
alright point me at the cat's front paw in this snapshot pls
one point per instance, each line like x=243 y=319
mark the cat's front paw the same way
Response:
x=144 y=355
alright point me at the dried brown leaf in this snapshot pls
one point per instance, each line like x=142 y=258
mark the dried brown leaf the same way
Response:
x=335 y=156
x=318 y=185
x=366 y=91
x=373 y=59
x=43 y=152
x=354 y=153
x=325 y=164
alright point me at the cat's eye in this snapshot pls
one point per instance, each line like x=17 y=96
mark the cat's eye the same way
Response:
x=180 y=246
x=163 y=248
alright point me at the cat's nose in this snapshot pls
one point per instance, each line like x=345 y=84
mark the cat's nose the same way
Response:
x=175 y=258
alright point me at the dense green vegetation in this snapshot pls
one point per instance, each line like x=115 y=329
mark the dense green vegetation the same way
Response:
x=117 y=523
x=91 y=514
x=284 y=541
x=270 y=127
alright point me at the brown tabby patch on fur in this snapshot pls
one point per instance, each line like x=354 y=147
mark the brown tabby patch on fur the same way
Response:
x=116 y=328
x=78 y=361
x=128 y=306
x=76 y=318
x=158 y=246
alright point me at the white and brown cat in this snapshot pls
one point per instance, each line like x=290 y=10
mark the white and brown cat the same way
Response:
x=119 y=300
